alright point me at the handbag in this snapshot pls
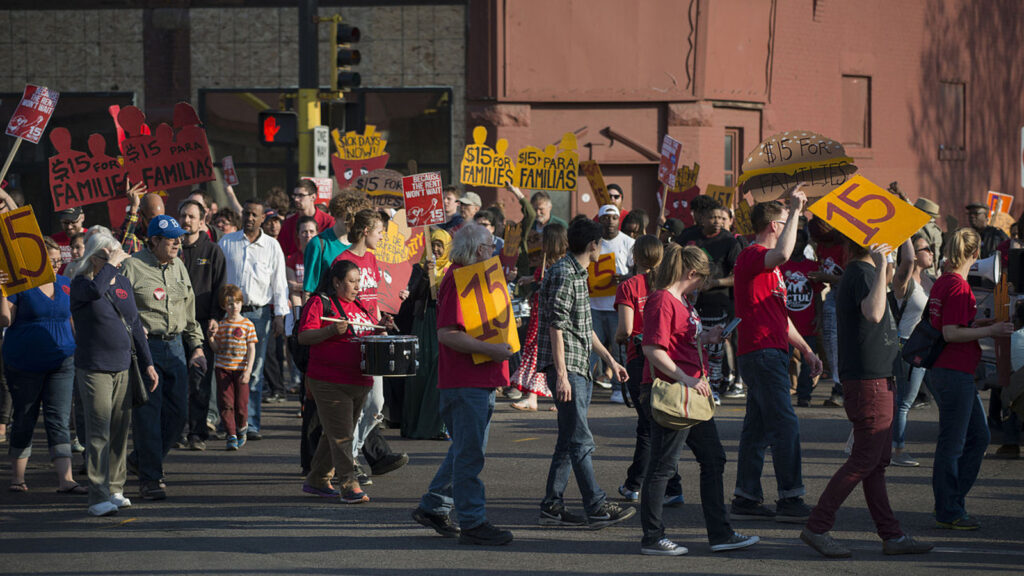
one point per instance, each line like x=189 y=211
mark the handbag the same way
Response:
x=138 y=394
x=676 y=406
x=925 y=344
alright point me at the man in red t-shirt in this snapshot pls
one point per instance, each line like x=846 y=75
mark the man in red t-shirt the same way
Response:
x=762 y=353
x=466 y=404
x=304 y=201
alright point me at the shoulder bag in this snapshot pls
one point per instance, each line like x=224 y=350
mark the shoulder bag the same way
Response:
x=138 y=394
x=924 y=345
x=675 y=405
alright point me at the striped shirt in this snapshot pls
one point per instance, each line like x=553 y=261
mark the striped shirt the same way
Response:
x=232 y=340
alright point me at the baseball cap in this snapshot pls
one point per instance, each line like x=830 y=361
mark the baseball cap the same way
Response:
x=608 y=209
x=471 y=198
x=674 y=226
x=70 y=213
x=976 y=206
x=165 y=226
x=273 y=214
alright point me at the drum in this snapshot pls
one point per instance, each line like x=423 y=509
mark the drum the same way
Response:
x=384 y=355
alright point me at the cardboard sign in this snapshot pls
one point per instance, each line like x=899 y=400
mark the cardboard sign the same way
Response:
x=355 y=146
x=670 y=149
x=601 y=276
x=397 y=249
x=117 y=211
x=77 y=178
x=324 y=190
x=742 y=224
x=424 y=199
x=869 y=214
x=724 y=195
x=23 y=255
x=593 y=173
x=510 y=250
x=998 y=202
x=549 y=169
x=384 y=188
x=33 y=113
x=170 y=157
x=486 y=306
x=785 y=159
x=485 y=166
x=348 y=171
x=679 y=197
x=228 y=166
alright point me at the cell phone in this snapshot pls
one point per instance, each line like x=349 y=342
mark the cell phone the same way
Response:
x=731 y=326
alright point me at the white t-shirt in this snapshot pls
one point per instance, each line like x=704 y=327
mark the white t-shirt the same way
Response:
x=916 y=301
x=622 y=247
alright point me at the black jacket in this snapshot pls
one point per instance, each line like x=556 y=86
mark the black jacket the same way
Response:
x=205 y=263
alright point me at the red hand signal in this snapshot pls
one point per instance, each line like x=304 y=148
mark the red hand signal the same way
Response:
x=270 y=129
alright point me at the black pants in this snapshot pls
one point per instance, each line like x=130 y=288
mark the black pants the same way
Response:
x=642 y=451
x=200 y=385
x=273 y=365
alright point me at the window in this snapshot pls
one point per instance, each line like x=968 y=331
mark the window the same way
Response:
x=856 y=100
x=733 y=145
x=953 y=143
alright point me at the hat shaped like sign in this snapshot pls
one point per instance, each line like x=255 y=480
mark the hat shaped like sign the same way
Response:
x=165 y=226
x=788 y=158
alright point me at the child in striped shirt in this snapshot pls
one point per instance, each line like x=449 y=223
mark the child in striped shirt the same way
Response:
x=235 y=344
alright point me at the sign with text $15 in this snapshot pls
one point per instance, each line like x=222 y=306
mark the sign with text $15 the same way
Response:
x=485 y=305
x=601 y=276
x=22 y=252
x=868 y=214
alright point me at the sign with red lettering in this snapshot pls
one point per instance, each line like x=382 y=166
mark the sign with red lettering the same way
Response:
x=33 y=113
x=670 y=149
x=868 y=214
x=170 y=157
x=228 y=166
x=485 y=305
x=424 y=202
x=324 y=190
x=601 y=276
x=23 y=256
x=347 y=171
x=77 y=178
x=679 y=197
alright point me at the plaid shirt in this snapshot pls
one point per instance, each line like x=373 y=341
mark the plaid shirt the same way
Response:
x=130 y=243
x=565 y=304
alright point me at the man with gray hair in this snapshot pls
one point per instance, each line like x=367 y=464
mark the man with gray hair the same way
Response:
x=466 y=405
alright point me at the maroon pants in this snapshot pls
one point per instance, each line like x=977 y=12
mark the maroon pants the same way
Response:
x=233 y=400
x=869 y=406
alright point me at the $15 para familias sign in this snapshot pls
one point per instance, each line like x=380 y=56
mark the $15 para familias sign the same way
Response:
x=485 y=305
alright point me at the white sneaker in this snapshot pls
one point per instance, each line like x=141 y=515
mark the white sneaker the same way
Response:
x=118 y=499
x=103 y=509
x=617 y=397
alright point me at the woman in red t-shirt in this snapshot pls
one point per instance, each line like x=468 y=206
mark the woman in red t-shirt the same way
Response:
x=672 y=339
x=334 y=378
x=963 y=430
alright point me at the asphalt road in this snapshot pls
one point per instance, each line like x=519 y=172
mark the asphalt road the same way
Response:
x=244 y=512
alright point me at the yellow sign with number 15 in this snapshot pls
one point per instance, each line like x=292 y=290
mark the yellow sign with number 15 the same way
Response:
x=868 y=214
x=23 y=255
x=486 y=306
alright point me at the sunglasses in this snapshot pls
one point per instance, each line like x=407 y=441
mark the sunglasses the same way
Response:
x=615 y=196
x=925 y=249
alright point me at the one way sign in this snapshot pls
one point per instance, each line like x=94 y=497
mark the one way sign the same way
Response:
x=321 y=151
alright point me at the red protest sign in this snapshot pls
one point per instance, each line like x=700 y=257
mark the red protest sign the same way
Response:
x=33 y=113
x=170 y=157
x=670 y=149
x=423 y=199
x=227 y=164
x=77 y=178
x=324 y=190
x=679 y=197
x=347 y=171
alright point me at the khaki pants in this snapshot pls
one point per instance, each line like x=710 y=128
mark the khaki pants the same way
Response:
x=107 y=419
x=339 y=407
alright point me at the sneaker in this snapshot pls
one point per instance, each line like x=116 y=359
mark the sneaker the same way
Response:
x=254 y=436
x=389 y=463
x=232 y=443
x=362 y=477
x=617 y=398
x=628 y=495
x=834 y=401
x=674 y=501
x=243 y=438
x=803 y=403
x=103 y=509
x=792 y=510
x=118 y=499
x=77 y=447
x=559 y=516
x=326 y=492
x=663 y=547
x=905 y=545
x=745 y=509
x=922 y=403
x=356 y=496
x=196 y=445
x=735 y=391
x=735 y=542
x=964 y=522
x=513 y=394
x=485 y=534
x=609 y=513
x=825 y=544
x=903 y=459
x=718 y=399
x=181 y=444
x=152 y=491
x=442 y=524
x=1007 y=452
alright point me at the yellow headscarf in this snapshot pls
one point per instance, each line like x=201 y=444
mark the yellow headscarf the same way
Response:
x=441 y=264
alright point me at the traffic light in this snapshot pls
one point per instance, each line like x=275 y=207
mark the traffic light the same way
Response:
x=343 y=36
x=278 y=128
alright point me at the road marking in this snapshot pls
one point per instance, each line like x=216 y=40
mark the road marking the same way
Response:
x=795 y=543
x=524 y=440
x=121 y=523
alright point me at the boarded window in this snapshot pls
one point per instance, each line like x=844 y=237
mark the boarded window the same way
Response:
x=954 y=115
x=856 y=99
x=733 y=144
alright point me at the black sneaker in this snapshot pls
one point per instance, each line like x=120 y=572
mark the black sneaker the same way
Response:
x=196 y=445
x=362 y=477
x=792 y=510
x=746 y=509
x=250 y=435
x=390 y=463
x=559 y=516
x=443 y=525
x=152 y=491
x=735 y=542
x=485 y=534
x=609 y=513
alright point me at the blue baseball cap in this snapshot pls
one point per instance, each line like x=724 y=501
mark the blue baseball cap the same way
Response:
x=164 y=225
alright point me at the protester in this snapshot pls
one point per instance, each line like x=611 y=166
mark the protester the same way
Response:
x=468 y=205
x=226 y=221
x=272 y=223
x=234 y=342
x=304 y=202
x=803 y=306
x=602 y=308
x=832 y=258
x=634 y=224
x=467 y=402
x=322 y=251
x=991 y=237
x=541 y=202
x=144 y=206
x=485 y=217
x=295 y=273
x=765 y=336
x=72 y=223
x=451 y=204
x=274 y=389
x=930 y=231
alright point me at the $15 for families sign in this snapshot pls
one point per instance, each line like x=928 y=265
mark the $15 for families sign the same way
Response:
x=485 y=305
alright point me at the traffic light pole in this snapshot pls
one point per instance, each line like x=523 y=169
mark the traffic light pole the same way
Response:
x=308 y=105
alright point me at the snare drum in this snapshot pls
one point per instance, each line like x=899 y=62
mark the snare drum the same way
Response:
x=384 y=355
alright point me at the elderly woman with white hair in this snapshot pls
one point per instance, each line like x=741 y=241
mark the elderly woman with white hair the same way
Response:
x=100 y=298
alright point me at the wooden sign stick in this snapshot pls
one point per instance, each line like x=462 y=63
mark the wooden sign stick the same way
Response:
x=10 y=158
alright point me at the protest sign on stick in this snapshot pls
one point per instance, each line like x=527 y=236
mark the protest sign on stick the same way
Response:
x=29 y=119
x=397 y=249
x=679 y=197
x=424 y=199
x=868 y=214
x=788 y=158
x=228 y=166
x=485 y=166
x=742 y=222
x=998 y=202
x=596 y=180
x=356 y=146
x=549 y=169
x=23 y=256
x=77 y=178
x=601 y=276
x=170 y=157
x=486 y=305
x=324 y=190
x=724 y=195
x=670 y=149
x=383 y=187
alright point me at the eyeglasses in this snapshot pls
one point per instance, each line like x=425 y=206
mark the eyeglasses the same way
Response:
x=783 y=222
x=294 y=195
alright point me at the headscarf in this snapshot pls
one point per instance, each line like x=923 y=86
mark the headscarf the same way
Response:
x=441 y=264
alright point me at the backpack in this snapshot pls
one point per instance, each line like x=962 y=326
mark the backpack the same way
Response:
x=925 y=344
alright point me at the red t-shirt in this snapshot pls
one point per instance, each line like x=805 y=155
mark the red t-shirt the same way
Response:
x=336 y=359
x=289 y=239
x=455 y=369
x=64 y=242
x=760 y=302
x=674 y=326
x=295 y=263
x=951 y=302
x=633 y=293
x=801 y=293
x=832 y=258
x=370 y=273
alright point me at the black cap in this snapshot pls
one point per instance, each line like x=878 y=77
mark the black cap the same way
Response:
x=976 y=206
x=70 y=213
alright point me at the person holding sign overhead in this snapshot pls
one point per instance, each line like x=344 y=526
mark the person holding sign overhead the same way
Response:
x=467 y=402
x=605 y=277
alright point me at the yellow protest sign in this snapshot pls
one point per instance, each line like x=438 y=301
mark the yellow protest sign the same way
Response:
x=601 y=276
x=869 y=214
x=549 y=169
x=593 y=173
x=23 y=256
x=513 y=238
x=485 y=166
x=355 y=146
x=485 y=305
x=723 y=194
x=741 y=222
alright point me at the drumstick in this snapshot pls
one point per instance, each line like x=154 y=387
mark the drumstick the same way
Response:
x=360 y=324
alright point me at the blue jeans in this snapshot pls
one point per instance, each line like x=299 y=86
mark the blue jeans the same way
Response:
x=963 y=438
x=605 y=324
x=49 y=390
x=908 y=384
x=467 y=414
x=830 y=334
x=157 y=424
x=770 y=421
x=804 y=382
x=261 y=319
x=574 y=446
